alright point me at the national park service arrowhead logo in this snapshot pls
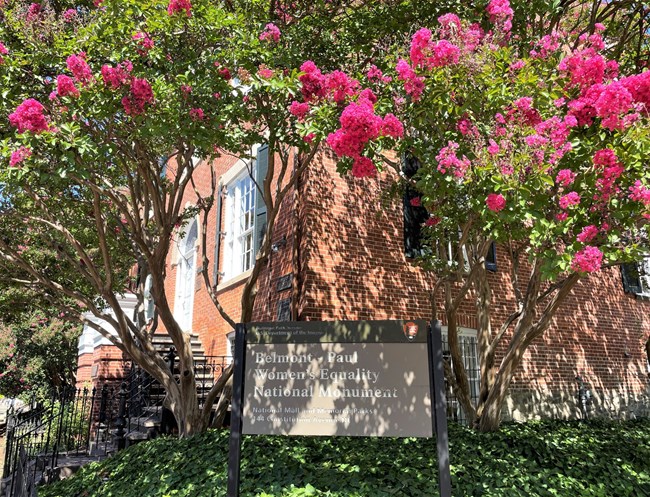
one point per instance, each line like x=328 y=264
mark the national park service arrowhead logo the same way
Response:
x=410 y=330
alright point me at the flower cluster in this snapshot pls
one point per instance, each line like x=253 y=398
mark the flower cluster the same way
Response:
x=176 y=6
x=587 y=260
x=17 y=156
x=565 y=178
x=413 y=84
x=495 y=202
x=140 y=95
x=569 y=200
x=70 y=15
x=33 y=12
x=448 y=161
x=299 y=109
x=65 y=86
x=3 y=51
x=501 y=14
x=587 y=234
x=144 y=41
x=79 y=68
x=427 y=55
x=197 y=114
x=29 y=116
x=640 y=193
x=271 y=33
x=114 y=77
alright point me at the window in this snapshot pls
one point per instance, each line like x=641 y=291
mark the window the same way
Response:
x=185 y=275
x=469 y=352
x=245 y=216
x=240 y=223
x=636 y=277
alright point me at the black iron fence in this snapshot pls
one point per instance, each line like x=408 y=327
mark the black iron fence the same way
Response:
x=93 y=422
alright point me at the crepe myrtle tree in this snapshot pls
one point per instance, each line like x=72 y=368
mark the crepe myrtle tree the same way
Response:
x=109 y=109
x=543 y=151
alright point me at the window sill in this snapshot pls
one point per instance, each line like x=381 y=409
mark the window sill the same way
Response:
x=234 y=280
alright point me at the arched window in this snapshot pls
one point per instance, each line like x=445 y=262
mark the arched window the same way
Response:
x=185 y=276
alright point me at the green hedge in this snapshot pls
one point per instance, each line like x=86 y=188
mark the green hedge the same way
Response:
x=549 y=458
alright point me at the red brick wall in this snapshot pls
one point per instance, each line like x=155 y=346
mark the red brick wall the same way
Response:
x=355 y=269
x=349 y=264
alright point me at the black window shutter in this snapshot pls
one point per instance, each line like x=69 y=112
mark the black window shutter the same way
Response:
x=631 y=278
x=261 y=168
x=491 y=258
x=414 y=217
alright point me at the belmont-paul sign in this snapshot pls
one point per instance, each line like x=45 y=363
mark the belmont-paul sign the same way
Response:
x=349 y=378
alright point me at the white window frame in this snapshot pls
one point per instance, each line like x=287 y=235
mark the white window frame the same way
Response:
x=239 y=240
x=186 y=261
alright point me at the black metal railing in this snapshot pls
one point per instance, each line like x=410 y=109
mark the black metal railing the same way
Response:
x=92 y=422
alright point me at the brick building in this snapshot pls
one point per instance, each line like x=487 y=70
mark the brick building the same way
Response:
x=339 y=253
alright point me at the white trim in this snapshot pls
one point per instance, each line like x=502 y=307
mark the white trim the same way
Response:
x=186 y=277
x=230 y=346
x=237 y=168
x=234 y=280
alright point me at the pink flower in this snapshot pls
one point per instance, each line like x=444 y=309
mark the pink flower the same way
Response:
x=363 y=168
x=585 y=68
x=79 y=68
x=265 y=73
x=114 y=77
x=309 y=138
x=341 y=86
x=271 y=32
x=69 y=15
x=562 y=216
x=413 y=84
x=29 y=116
x=640 y=193
x=605 y=157
x=493 y=147
x=313 y=81
x=449 y=25
x=416 y=201
x=375 y=74
x=432 y=221
x=359 y=125
x=565 y=177
x=495 y=202
x=176 y=6
x=224 y=72
x=197 y=114
x=298 y=109
x=425 y=54
x=501 y=14
x=17 y=156
x=587 y=234
x=65 y=86
x=141 y=94
x=33 y=12
x=613 y=101
x=569 y=200
x=3 y=51
x=515 y=66
x=448 y=161
x=466 y=127
x=144 y=41
x=587 y=260
x=392 y=127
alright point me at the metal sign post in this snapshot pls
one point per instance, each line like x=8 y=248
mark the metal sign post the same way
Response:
x=439 y=407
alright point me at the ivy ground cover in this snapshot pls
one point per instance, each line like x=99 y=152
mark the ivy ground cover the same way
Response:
x=548 y=458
